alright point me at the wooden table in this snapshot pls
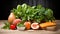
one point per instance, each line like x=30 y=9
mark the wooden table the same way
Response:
x=30 y=32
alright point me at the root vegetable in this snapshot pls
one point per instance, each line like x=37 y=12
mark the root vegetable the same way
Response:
x=11 y=18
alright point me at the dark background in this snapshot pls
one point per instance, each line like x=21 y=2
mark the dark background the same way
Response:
x=7 y=5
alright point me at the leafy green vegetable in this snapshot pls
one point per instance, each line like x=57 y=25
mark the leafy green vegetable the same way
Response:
x=20 y=25
x=33 y=13
x=19 y=8
x=49 y=13
x=6 y=26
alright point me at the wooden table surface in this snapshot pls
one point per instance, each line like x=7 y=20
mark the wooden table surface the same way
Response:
x=30 y=32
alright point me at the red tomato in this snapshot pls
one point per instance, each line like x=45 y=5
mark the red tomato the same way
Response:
x=12 y=27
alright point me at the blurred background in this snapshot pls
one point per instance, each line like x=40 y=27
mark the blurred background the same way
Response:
x=7 y=5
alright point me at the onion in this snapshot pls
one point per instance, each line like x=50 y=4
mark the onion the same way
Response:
x=11 y=18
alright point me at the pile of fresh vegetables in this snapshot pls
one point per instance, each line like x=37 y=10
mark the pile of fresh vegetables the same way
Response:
x=30 y=17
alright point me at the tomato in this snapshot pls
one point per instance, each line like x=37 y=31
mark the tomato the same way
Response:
x=12 y=27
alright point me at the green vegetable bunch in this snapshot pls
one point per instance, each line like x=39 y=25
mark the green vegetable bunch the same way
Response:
x=33 y=13
x=6 y=26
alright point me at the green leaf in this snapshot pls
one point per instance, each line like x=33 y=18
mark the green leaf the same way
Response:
x=49 y=13
x=20 y=25
x=24 y=7
x=34 y=7
x=19 y=8
x=6 y=26
x=39 y=6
